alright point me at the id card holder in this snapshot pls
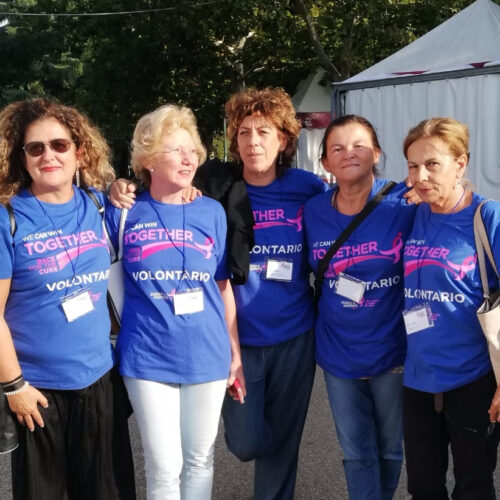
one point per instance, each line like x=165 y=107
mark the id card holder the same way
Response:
x=418 y=318
x=350 y=287
x=278 y=270
x=188 y=301
x=77 y=304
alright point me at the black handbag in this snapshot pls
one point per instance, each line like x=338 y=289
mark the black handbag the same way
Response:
x=8 y=426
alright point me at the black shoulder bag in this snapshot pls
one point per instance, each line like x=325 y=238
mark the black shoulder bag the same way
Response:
x=325 y=261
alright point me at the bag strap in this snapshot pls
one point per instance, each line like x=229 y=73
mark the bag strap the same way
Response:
x=121 y=227
x=360 y=217
x=12 y=219
x=483 y=246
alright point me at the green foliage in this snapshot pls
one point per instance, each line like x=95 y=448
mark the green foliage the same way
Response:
x=118 y=67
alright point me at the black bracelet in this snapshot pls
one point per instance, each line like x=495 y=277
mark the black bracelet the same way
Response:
x=2 y=384
x=14 y=386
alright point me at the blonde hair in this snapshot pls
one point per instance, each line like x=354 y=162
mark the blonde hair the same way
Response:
x=452 y=132
x=94 y=153
x=149 y=133
x=275 y=105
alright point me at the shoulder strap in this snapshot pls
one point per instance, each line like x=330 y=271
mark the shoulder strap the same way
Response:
x=93 y=197
x=483 y=246
x=325 y=261
x=12 y=219
x=121 y=227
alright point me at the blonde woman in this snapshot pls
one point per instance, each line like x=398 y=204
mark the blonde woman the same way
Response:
x=178 y=345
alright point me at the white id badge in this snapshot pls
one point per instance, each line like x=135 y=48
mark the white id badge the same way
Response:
x=77 y=304
x=279 y=270
x=188 y=301
x=350 y=287
x=418 y=318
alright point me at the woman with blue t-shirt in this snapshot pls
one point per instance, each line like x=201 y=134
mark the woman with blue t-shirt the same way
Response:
x=360 y=340
x=178 y=344
x=449 y=382
x=56 y=356
x=264 y=199
x=274 y=306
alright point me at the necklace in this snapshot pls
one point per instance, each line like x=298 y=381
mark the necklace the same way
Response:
x=458 y=202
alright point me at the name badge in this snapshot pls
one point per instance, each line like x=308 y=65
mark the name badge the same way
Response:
x=188 y=301
x=279 y=270
x=418 y=318
x=351 y=288
x=77 y=304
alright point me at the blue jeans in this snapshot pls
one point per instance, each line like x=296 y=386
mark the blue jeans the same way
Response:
x=369 y=421
x=268 y=427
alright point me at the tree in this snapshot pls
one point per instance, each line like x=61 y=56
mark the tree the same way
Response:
x=118 y=67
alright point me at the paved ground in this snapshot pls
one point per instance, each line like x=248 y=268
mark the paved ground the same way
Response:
x=320 y=475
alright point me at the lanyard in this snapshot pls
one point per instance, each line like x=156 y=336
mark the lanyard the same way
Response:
x=78 y=224
x=180 y=250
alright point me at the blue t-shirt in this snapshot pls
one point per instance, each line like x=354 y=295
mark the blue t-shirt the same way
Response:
x=361 y=340
x=59 y=249
x=441 y=270
x=170 y=249
x=270 y=312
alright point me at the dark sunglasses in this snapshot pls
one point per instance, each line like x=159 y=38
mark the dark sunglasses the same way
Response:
x=37 y=148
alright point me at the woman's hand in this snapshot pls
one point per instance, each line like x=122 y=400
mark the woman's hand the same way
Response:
x=411 y=196
x=122 y=193
x=25 y=405
x=494 y=410
x=236 y=373
x=190 y=194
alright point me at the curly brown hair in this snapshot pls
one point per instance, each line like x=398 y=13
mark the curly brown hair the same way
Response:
x=94 y=159
x=275 y=105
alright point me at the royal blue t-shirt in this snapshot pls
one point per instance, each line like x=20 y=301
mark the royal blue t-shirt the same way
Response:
x=270 y=312
x=59 y=249
x=441 y=270
x=170 y=249
x=361 y=340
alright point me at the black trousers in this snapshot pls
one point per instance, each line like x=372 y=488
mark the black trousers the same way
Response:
x=83 y=452
x=463 y=424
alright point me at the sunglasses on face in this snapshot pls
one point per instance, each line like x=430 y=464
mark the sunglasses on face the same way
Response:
x=37 y=148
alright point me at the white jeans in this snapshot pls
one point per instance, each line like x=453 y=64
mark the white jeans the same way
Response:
x=178 y=425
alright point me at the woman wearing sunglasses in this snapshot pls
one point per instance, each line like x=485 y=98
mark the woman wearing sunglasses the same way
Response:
x=56 y=364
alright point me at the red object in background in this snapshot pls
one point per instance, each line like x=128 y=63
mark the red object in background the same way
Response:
x=319 y=119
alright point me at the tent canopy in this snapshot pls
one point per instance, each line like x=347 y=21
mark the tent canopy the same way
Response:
x=311 y=96
x=454 y=70
x=312 y=101
x=469 y=39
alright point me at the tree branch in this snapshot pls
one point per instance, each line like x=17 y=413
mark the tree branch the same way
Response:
x=320 y=51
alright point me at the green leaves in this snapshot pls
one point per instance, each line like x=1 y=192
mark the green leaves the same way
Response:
x=115 y=68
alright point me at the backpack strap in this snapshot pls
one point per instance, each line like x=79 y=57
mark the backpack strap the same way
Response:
x=12 y=219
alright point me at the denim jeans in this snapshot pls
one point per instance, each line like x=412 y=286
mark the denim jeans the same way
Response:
x=178 y=425
x=369 y=421
x=268 y=427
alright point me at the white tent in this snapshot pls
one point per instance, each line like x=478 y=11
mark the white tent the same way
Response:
x=453 y=70
x=312 y=101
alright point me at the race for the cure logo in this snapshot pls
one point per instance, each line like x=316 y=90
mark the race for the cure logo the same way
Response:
x=349 y=255
x=153 y=240
x=436 y=256
x=276 y=217
x=70 y=245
